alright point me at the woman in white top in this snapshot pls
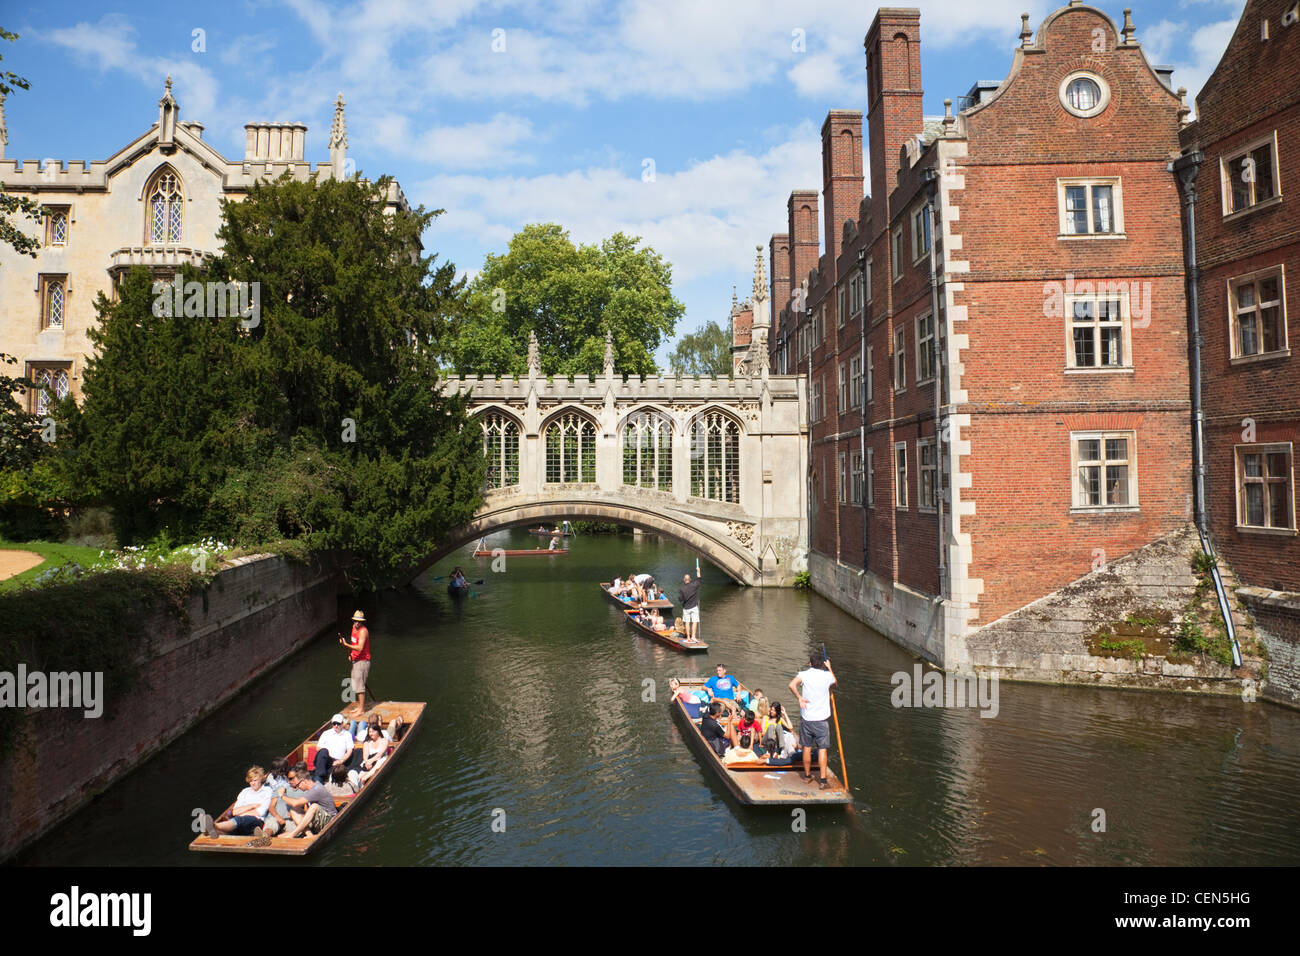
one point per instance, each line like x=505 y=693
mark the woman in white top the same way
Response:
x=375 y=752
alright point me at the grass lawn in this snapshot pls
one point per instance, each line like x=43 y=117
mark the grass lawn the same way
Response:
x=54 y=555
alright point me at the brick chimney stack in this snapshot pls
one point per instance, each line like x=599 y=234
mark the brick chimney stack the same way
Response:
x=779 y=266
x=893 y=47
x=803 y=237
x=841 y=174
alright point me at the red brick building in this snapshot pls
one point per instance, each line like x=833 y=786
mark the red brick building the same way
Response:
x=995 y=336
x=1238 y=174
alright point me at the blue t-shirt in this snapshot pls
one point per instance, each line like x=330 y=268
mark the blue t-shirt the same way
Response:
x=724 y=687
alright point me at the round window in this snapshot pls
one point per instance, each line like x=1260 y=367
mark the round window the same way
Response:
x=1084 y=94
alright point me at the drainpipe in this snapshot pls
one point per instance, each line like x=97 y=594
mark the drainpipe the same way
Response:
x=862 y=402
x=931 y=179
x=1185 y=168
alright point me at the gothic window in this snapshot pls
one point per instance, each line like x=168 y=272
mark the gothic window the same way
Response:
x=648 y=452
x=165 y=209
x=51 y=383
x=501 y=447
x=715 y=458
x=570 y=450
x=54 y=293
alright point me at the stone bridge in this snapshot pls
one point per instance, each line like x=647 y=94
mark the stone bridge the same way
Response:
x=719 y=464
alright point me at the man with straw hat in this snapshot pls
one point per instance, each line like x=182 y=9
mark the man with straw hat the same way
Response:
x=359 y=646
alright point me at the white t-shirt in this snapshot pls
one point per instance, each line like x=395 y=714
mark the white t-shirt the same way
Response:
x=339 y=744
x=816 y=688
x=260 y=797
x=643 y=579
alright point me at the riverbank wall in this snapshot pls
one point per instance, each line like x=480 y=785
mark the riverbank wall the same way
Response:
x=256 y=611
x=1115 y=626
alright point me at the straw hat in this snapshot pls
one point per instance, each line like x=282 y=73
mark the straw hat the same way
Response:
x=359 y=616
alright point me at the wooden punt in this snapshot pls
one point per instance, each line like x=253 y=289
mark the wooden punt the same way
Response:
x=670 y=636
x=755 y=783
x=521 y=553
x=622 y=605
x=410 y=712
x=458 y=590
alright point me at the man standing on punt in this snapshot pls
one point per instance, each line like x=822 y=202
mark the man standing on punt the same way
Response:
x=689 y=596
x=359 y=646
x=813 y=688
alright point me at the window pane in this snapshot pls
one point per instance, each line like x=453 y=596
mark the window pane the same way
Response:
x=1249 y=334
x=1255 y=504
x=1090 y=485
x=1277 y=465
x=1076 y=209
x=1246 y=296
x=1090 y=449
x=1111 y=346
x=1117 y=449
x=1269 y=329
x=1240 y=188
x=1117 y=484
x=1084 y=354
x=1083 y=94
x=1101 y=210
x=1263 y=173
x=1268 y=289
x=1252 y=465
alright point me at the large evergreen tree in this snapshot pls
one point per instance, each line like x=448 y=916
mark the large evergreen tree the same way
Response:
x=569 y=295
x=317 y=417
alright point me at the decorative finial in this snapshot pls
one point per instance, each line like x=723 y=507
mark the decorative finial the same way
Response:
x=735 y=303
x=1183 y=109
x=1025 y=32
x=609 y=354
x=534 y=361
x=760 y=277
x=167 y=87
x=4 y=130
x=339 y=128
x=948 y=118
x=1129 y=29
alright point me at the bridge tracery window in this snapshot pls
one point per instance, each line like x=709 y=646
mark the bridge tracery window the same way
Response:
x=570 y=450
x=501 y=447
x=715 y=458
x=648 y=452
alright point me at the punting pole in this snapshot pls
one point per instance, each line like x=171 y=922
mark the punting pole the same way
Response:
x=844 y=772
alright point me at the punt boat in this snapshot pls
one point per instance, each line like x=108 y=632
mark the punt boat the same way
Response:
x=755 y=782
x=668 y=635
x=410 y=712
x=520 y=552
x=622 y=605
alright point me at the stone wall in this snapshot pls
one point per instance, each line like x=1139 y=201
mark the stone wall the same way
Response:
x=1277 y=622
x=255 y=613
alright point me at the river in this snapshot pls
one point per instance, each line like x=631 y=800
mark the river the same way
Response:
x=538 y=723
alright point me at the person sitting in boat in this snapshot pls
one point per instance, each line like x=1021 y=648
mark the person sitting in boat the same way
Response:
x=555 y=545
x=743 y=753
x=339 y=784
x=313 y=806
x=722 y=687
x=248 y=816
x=748 y=726
x=335 y=744
x=758 y=704
x=374 y=752
x=652 y=619
x=278 y=782
x=715 y=734
x=693 y=699
x=458 y=578
x=778 y=736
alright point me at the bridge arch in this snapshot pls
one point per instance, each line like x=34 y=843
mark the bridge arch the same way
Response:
x=734 y=560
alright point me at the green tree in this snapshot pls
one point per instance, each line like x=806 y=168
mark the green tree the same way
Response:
x=315 y=417
x=19 y=207
x=706 y=351
x=569 y=295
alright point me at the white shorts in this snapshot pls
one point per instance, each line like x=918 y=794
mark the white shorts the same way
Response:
x=691 y=615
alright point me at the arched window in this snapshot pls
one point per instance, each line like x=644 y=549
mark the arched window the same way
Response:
x=648 y=452
x=501 y=447
x=715 y=458
x=164 y=207
x=50 y=383
x=570 y=450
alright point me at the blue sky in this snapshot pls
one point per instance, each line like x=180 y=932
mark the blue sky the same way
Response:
x=557 y=125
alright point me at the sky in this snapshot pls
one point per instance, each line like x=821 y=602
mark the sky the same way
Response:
x=684 y=122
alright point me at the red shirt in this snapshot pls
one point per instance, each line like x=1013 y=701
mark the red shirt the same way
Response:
x=364 y=653
x=753 y=728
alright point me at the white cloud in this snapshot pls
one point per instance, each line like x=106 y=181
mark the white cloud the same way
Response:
x=704 y=219
x=1193 y=57
x=491 y=143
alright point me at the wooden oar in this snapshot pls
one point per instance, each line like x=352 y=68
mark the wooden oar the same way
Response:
x=844 y=773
